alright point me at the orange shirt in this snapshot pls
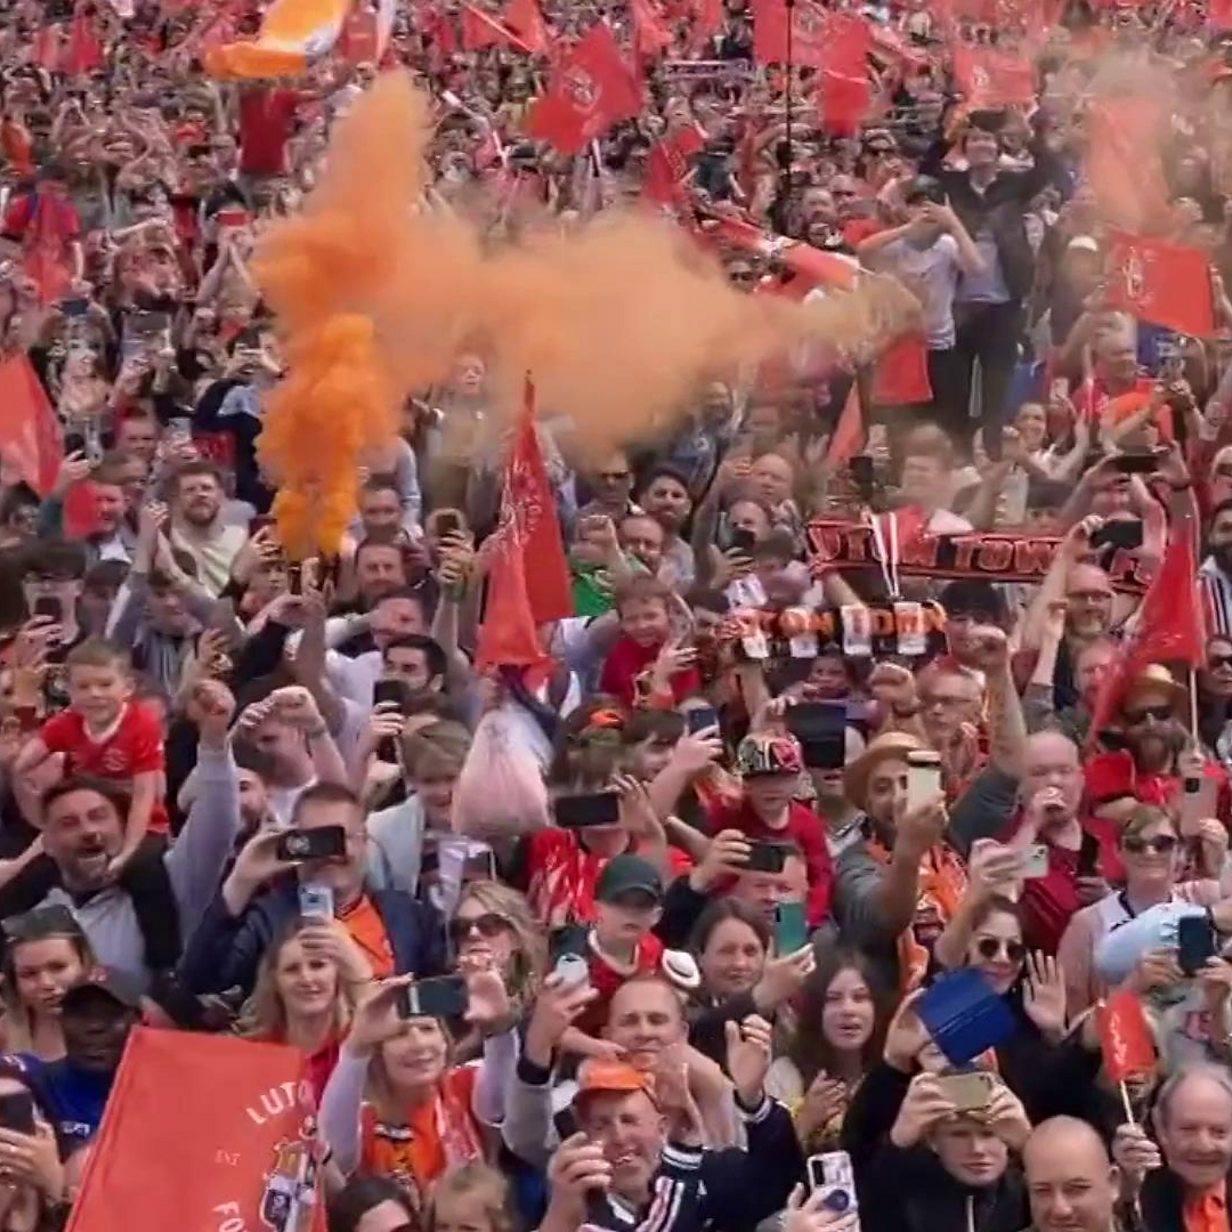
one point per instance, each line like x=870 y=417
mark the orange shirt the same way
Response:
x=432 y=1136
x=1208 y=1212
x=367 y=930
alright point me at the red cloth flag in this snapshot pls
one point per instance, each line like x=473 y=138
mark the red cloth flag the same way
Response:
x=45 y=53
x=1165 y=284
x=479 y=30
x=707 y=22
x=845 y=101
x=84 y=52
x=519 y=599
x=900 y=377
x=239 y=1127
x=524 y=20
x=31 y=441
x=667 y=167
x=848 y=434
x=1123 y=161
x=1125 y=1037
x=591 y=88
x=1171 y=626
x=651 y=37
x=810 y=32
x=993 y=79
x=357 y=41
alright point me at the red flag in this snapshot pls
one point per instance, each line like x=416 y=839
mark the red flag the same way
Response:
x=592 y=88
x=845 y=101
x=525 y=21
x=708 y=21
x=667 y=167
x=30 y=437
x=1123 y=161
x=848 y=434
x=520 y=599
x=811 y=267
x=993 y=79
x=479 y=30
x=358 y=42
x=651 y=37
x=1165 y=284
x=1171 y=626
x=1125 y=1038
x=240 y=1128
x=45 y=53
x=900 y=377
x=809 y=29
x=84 y=52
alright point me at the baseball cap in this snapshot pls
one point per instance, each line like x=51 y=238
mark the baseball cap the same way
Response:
x=763 y=753
x=103 y=984
x=599 y=1077
x=626 y=874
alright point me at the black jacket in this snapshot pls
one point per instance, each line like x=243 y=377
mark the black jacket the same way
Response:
x=1162 y=1203
x=999 y=208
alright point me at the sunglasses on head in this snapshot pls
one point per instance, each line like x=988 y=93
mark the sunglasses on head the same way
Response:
x=1161 y=844
x=991 y=947
x=488 y=925
x=1161 y=714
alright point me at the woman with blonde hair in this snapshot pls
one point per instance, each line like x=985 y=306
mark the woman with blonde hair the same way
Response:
x=305 y=993
x=471 y=1198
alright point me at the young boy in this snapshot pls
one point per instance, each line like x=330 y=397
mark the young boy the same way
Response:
x=628 y=904
x=633 y=669
x=104 y=734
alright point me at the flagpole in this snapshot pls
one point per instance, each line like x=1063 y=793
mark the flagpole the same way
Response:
x=785 y=153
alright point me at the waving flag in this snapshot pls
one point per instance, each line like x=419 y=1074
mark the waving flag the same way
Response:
x=992 y=79
x=1125 y=1038
x=31 y=441
x=591 y=88
x=294 y=34
x=1123 y=161
x=1165 y=284
x=810 y=32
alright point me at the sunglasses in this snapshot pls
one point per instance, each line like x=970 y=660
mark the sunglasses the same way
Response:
x=1161 y=844
x=1161 y=714
x=992 y=947
x=488 y=925
x=1214 y=661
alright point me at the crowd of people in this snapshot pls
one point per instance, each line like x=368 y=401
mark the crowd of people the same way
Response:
x=815 y=878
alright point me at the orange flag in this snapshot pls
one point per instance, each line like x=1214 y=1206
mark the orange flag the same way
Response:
x=236 y=1118
x=31 y=441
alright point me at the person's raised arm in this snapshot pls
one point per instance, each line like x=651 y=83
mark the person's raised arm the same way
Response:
x=1070 y=551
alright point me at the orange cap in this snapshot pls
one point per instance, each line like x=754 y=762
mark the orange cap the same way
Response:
x=596 y=1077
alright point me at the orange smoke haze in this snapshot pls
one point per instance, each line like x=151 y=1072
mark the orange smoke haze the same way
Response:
x=621 y=322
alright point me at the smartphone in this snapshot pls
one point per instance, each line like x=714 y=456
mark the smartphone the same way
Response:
x=821 y=729
x=323 y=843
x=572 y=970
x=1123 y=533
x=1035 y=862
x=389 y=693
x=790 y=928
x=1195 y=943
x=700 y=718
x=448 y=523
x=1088 y=856
x=17 y=1112
x=1199 y=799
x=49 y=607
x=743 y=539
x=766 y=858
x=444 y=997
x=316 y=901
x=77 y=307
x=1135 y=463
x=969 y=1092
x=260 y=522
x=600 y=808
x=863 y=471
x=831 y=1174
x=923 y=777
x=295 y=578
x=1058 y=390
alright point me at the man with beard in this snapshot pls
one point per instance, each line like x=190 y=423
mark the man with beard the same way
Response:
x=197 y=525
x=666 y=499
x=1182 y=1182
x=1215 y=572
x=1147 y=770
x=97 y=1016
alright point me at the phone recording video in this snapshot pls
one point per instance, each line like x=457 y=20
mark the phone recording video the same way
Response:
x=600 y=808
x=444 y=997
x=821 y=729
x=323 y=843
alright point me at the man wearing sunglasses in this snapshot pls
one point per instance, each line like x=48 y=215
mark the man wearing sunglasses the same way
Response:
x=1155 y=756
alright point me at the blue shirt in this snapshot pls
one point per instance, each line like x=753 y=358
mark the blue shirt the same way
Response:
x=75 y=1097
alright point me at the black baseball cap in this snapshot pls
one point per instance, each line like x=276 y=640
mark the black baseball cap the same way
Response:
x=106 y=985
x=628 y=874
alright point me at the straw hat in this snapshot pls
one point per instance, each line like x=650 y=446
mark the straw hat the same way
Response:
x=892 y=746
x=1154 y=678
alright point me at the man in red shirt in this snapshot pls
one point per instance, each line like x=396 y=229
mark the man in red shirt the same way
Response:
x=770 y=766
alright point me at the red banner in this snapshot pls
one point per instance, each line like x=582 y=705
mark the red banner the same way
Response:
x=1165 y=284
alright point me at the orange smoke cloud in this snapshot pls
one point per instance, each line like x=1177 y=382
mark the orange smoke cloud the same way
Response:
x=621 y=322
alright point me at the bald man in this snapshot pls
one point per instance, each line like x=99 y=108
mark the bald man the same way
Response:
x=1072 y=1184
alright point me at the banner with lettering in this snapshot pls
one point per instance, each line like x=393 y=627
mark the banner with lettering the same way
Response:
x=995 y=556
x=204 y=1132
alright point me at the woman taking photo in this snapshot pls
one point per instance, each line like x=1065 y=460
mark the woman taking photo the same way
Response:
x=34 y=1195
x=305 y=993
x=423 y=1115
x=838 y=1036
x=492 y=930
x=47 y=952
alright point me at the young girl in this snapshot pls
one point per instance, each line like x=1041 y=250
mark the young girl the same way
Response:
x=471 y=1198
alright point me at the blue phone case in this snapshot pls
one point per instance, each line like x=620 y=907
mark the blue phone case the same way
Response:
x=965 y=1016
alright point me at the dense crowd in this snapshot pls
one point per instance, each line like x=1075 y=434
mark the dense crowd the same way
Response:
x=849 y=846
